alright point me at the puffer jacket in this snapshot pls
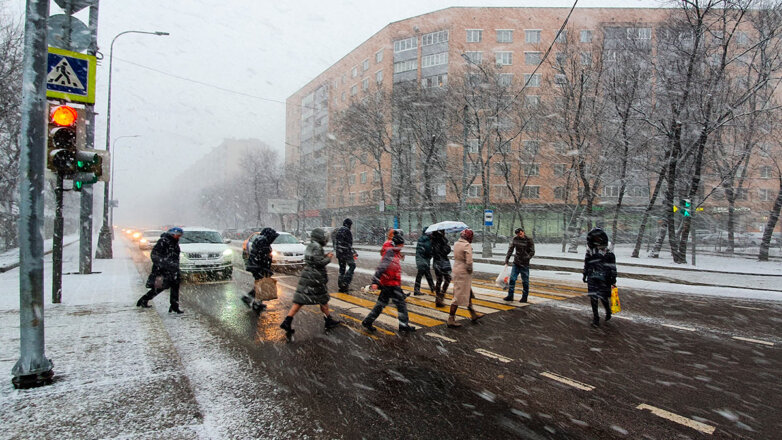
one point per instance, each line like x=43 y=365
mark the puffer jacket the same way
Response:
x=165 y=254
x=599 y=271
x=389 y=271
x=423 y=251
x=313 y=284
x=440 y=251
x=343 y=243
x=260 y=259
x=524 y=250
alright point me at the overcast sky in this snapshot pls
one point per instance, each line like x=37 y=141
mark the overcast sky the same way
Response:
x=225 y=72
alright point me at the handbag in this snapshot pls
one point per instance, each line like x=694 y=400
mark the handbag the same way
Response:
x=615 y=306
x=265 y=289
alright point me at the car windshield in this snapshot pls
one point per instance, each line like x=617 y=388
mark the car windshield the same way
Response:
x=286 y=239
x=152 y=234
x=201 y=237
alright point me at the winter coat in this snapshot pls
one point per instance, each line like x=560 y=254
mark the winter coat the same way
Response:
x=313 y=284
x=260 y=249
x=599 y=271
x=524 y=248
x=389 y=271
x=165 y=260
x=343 y=243
x=423 y=252
x=462 y=272
x=440 y=251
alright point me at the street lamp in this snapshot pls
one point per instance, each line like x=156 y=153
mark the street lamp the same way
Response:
x=111 y=199
x=104 y=238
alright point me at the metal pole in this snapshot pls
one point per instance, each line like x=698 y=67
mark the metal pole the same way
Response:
x=57 y=242
x=33 y=368
x=104 y=250
x=464 y=193
x=111 y=197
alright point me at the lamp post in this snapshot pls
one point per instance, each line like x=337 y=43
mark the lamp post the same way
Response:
x=111 y=198
x=104 y=250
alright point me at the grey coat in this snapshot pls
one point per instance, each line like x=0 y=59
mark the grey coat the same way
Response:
x=312 y=288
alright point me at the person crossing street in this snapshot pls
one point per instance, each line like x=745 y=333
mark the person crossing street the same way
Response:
x=259 y=264
x=346 y=255
x=524 y=249
x=442 y=266
x=165 y=270
x=388 y=278
x=423 y=254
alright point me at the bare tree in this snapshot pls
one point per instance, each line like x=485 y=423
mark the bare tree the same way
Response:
x=10 y=122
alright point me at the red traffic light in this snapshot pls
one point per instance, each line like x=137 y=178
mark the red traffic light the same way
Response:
x=64 y=116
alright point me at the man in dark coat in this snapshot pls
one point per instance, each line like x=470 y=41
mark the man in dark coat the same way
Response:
x=346 y=255
x=599 y=272
x=442 y=266
x=165 y=270
x=259 y=263
x=423 y=253
x=524 y=248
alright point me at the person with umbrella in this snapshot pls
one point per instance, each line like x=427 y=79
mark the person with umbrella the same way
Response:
x=423 y=254
x=440 y=250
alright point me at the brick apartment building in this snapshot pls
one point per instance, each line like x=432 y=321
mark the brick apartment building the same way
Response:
x=428 y=49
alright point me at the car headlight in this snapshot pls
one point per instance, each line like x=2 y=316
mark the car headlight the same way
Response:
x=274 y=254
x=227 y=253
x=144 y=240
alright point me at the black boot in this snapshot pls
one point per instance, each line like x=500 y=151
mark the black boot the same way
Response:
x=286 y=324
x=175 y=308
x=143 y=302
x=331 y=322
x=368 y=325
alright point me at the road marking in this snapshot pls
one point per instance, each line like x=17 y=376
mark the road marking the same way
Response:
x=439 y=336
x=748 y=308
x=359 y=331
x=492 y=355
x=413 y=317
x=622 y=317
x=678 y=327
x=757 y=341
x=567 y=381
x=698 y=426
x=475 y=301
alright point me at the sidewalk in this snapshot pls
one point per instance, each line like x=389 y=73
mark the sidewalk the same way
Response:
x=117 y=372
x=10 y=259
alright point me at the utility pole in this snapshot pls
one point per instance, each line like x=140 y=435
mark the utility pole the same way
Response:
x=86 y=208
x=33 y=368
x=463 y=195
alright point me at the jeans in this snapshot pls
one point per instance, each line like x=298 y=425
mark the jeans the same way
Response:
x=345 y=276
x=514 y=273
x=387 y=293
x=423 y=273
x=603 y=299
x=443 y=279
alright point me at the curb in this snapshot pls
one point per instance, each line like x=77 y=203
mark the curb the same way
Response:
x=15 y=265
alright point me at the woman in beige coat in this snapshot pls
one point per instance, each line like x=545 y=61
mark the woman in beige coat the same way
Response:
x=462 y=278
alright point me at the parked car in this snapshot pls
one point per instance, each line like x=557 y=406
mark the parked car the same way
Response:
x=204 y=251
x=149 y=238
x=287 y=251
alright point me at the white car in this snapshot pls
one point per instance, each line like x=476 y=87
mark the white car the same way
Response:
x=149 y=238
x=203 y=250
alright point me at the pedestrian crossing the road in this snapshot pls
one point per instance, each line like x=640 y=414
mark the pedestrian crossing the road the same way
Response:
x=423 y=313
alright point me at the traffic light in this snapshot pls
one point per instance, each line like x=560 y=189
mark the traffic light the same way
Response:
x=63 y=139
x=89 y=167
x=686 y=207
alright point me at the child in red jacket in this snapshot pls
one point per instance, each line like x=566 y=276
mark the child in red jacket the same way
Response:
x=388 y=277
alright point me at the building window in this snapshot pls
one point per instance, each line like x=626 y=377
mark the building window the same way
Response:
x=532 y=80
x=742 y=39
x=435 y=81
x=561 y=58
x=474 y=57
x=531 y=147
x=474 y=35
x=352 y=179
x=504 y=36
x=561 y=36
x=435 y=59
x=504 y=58
x=586 y=36
x=379 y=56
x=559 y=169
x=365 y=65
x=586 y=58
x=742 y=194
x=766 y=172
x=474 y=191
x=354 y=90
x=559 y=193
x=376 y=176
x=405 y=66
x=532 y=58
x=363 y=178
x=764 y=195
x=365 y=84
x=531 y=169
x=639 y=33
x=532 y=36
x=505 y=79
x=379 y=76
x=343 y=96
x=560 y=79
x=406 y=44
x=434 y=38
x=472 y=144
x=532 y=100
x=561 y=147
x=531 y=192
x=354 y=72
x=610 y=191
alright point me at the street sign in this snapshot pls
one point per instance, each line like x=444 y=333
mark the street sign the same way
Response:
x=70 y=76
x=283 y=206
x=68 y=32
x=488 y=217
x=75 y=5
x=381 y=205
x=114 y=204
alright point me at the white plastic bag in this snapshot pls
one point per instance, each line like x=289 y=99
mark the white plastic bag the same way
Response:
x=502 y=278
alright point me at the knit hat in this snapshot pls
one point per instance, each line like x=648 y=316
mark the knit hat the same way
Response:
x=397 y=239
x=175 y=231
x=467 y=234
x=347 y=222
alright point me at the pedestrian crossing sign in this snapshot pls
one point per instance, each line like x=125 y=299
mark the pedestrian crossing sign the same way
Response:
x=70 y=76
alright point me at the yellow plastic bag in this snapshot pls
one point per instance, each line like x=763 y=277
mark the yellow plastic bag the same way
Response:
x=615 y=307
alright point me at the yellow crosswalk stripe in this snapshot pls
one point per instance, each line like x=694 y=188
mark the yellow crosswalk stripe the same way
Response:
x=535 y=292
x=476 y=301
x=414 y=317
x=364 y=332
x=430 y=305
x=562 y=289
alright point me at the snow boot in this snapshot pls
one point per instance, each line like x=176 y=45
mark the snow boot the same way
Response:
x=475 y=316
x=368 y=326
x=258 y=306
x=331 y=322
x=248 y=300
x=406 y=329
x=452 y=323
x=286 y=325
x=143 y=303
x=174 y=308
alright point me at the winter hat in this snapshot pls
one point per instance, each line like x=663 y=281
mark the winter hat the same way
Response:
x=467 y=234
x=347 y=222
x=398 y=239
x=175 y=231
x=597 y=238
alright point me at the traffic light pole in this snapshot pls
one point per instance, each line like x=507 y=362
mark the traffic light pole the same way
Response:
x=57 y=242
x=33 y=368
